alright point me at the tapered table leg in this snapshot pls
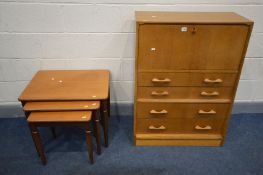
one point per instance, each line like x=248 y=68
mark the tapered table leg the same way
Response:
x=27 y=114
x=38 y=142
x=108 y=103
x=89 y=143
x=97 y=130
x=105 y=121
x=53 y=132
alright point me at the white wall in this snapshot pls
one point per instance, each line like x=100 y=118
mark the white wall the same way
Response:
x=99 y=34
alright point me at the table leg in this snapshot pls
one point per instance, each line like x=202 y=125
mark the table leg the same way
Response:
x=38 y=142
x=97 y=130
x=89 y=143
x=53 y=132
x=105 y=122
x=108 y=105
x=27 y=114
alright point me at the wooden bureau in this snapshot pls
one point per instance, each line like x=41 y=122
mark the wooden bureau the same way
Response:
x=186 y=75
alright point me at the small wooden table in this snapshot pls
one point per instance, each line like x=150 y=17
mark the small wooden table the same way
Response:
x=68 y=106
x=66 y=118
x=71 y=85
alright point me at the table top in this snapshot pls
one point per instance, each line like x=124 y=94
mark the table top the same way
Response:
x=62 y=116
x=61 y=106
x=63 y=85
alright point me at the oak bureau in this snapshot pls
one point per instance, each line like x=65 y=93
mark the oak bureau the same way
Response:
x=186 y=74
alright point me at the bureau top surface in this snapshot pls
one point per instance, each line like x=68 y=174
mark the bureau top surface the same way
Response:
x=51 y=85
x=191 y=17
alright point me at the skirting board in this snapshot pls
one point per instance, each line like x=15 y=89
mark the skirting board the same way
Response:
x=126 y=109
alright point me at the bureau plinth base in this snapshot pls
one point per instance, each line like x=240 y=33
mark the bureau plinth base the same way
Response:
x=178 y=140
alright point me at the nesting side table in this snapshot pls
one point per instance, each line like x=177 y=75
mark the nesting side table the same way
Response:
x=71 y=85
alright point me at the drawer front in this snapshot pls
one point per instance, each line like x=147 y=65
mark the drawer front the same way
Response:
x=187 y=126
x=184 y=92
x=182 y=110
x=186 y=79
x=167 y=47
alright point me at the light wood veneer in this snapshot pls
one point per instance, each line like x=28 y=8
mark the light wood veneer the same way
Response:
x=182 y=110
x=62 y=85
x=186 y=79
x=61 y=106
x=186 y=75
x=184 y=92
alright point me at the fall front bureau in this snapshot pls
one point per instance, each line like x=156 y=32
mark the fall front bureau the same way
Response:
x=186 y=75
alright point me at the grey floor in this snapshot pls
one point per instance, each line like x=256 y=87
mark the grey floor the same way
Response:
x=241 y=154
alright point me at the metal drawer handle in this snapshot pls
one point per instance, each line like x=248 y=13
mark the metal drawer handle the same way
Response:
x=197 y=127
x=151 y=127
x=157 y=80
x=206 y=112
x=164 y=93
x=158 y=112
x=210 y=93
x=207 y=80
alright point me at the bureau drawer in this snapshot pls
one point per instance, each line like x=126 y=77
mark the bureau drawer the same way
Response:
x=182 y=110
x=184 y=92
x=186 y=79
x=190 y=47
x=178 y=126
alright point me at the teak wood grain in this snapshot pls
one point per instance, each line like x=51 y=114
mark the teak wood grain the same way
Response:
x=62 y=116
x=70 y=106
x=187 y=62
x=63 y=87
x=61 y=106
x=186 y=79
x=60 y=85
x=187 y=125
x=184 y=92
x=179 y=110
x=166 y=47
x=178 y=142
x=73 y=118
x=191 y=18
x=178 y=136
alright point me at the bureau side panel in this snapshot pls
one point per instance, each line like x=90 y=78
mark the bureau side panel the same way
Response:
x=135 y=82
x=226 y=122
